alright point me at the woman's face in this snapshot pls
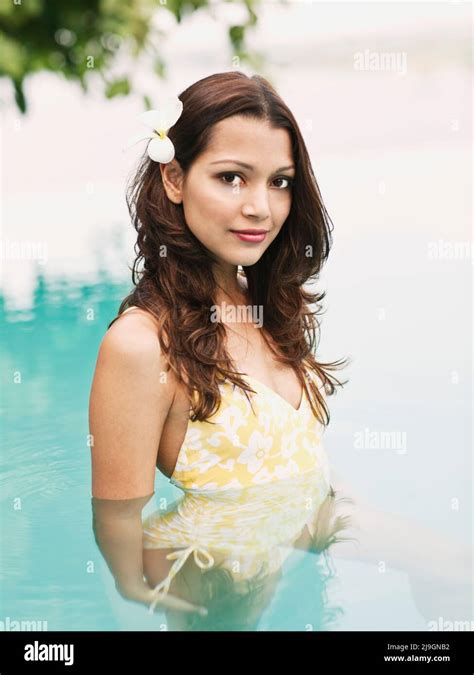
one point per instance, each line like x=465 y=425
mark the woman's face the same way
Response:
x=220 y=196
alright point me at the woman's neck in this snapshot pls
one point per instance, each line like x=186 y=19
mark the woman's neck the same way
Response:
x=232 y=289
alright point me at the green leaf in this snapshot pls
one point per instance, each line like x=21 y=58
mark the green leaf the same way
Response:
x=20 y=95
x=159 y=67
x=237 y=34
x=120 y=87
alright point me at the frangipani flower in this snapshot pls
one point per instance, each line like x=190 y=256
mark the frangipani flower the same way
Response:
x=160 y=148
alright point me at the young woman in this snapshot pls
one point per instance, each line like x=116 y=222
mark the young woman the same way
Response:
x=208 y=373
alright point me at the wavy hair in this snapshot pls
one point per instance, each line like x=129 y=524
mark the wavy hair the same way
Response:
x=178 y=288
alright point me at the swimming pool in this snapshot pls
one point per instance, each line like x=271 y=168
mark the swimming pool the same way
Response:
x=52 y=570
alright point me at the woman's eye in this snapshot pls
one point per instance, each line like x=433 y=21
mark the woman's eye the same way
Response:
x=288 y=181
x=224 y=176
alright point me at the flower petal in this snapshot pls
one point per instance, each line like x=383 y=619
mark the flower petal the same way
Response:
x=172 y=108
x=161 y=150
x=152 y=119
x=168 y=114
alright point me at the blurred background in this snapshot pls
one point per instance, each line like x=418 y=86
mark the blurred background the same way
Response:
x=382 y=94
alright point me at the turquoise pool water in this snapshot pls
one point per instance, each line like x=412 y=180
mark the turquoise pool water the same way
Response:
x=52 y=570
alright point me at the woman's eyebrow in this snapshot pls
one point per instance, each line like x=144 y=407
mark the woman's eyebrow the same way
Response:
x=249 y=166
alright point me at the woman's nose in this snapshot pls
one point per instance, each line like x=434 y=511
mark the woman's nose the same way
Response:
x=256 y=203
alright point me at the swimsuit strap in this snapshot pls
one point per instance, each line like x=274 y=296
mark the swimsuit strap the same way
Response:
x=181 y=556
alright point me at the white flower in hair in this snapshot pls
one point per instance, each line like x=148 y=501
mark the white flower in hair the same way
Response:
x=160 y=148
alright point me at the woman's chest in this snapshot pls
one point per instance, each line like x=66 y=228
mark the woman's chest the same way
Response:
x=279 y=394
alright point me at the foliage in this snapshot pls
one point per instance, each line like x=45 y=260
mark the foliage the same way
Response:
x=75 y=38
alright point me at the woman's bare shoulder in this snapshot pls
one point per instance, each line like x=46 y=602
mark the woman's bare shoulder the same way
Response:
x=136 y=328
x=131 y=395
x=132 y=343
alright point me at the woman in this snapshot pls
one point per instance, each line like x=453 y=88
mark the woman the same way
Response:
x=210 y=375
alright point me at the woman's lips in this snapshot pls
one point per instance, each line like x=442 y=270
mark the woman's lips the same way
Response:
x=254 y=237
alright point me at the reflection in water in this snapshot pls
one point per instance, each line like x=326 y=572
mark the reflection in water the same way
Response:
x=231 y=552
x=438 y=566
x=226 y=549
x=239 y=605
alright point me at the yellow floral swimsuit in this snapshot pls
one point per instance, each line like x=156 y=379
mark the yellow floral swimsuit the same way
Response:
x=251 y=483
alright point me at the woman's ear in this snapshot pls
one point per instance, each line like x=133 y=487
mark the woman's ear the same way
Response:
x=172 y=177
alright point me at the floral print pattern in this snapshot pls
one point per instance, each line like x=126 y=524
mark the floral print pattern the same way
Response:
x=251 y=482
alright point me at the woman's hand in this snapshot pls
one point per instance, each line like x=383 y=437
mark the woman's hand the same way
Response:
x=145 y=595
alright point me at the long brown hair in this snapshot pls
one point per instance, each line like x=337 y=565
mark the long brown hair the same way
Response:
x=176 y=283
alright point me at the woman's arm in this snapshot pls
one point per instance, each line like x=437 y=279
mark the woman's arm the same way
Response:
x=439 y=566
x=118 y=534
x=400 y=542
x=130 y=398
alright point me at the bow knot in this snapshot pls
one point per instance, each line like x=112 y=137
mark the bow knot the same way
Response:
x=180 y=556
